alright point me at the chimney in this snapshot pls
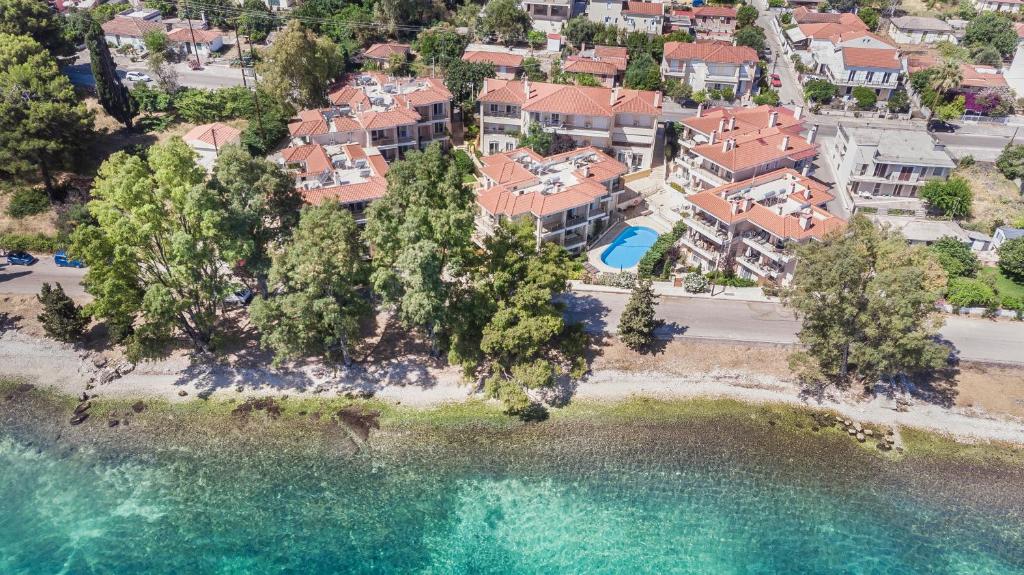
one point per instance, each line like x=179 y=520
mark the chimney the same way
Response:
x=484 y=90
x=805 y=221
x=734 y=207
x=773 y=118
x=732 y=143
x=813 y=133
x=798 y=112
x=615 y=95
x=526 y=87
x=785 y=143
x=807 y=193
x=586 y=171
x=700 y=110
x=725 y=145
x=721 y=125
x=747 y=203
x=780 y=208
x=806 y=170
x=713 y=137
x=732 y=123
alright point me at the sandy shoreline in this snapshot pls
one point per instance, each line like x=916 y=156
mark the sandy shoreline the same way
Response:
x=410 y=383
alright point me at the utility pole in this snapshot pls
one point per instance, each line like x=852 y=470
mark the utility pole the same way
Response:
x=195 y=50
x=255 y=84
x=238 y=44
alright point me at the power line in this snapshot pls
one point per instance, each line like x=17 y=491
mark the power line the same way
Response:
x=239 y=11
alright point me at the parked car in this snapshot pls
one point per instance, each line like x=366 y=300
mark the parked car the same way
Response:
x=776 y=81
x=61 y=259
x=940 y=126
x=137 y=77
x=19 y=258
x=241 y=297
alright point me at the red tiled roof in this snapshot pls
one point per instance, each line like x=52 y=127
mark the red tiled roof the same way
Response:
x=570 y=99
x=131 y=27
x=1019 y=27
x=507 y=59
x=388 y=119
x=822 y=30
x=645 y=9
x=348 y=96
x=747 y=120
x=577 y=65
x=885 y=58
x=313 y=158
x=975 y=76
x=710 y=52
x=203 y=36
x=384 y=51
x=310 y=123
x=715 y=11
x=215 y=134
x=372 y=189
x=756 y=149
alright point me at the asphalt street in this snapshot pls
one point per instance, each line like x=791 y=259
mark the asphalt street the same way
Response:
x=213 y=75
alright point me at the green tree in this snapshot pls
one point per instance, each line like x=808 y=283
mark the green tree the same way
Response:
x=393 y=13
x=256 y=21
x=746 y=15
x=465 y=80
x=1011 y=258
x=643 y=73
x=865 y=97
x=351 y=27
x=155 y=254
x=217 y=13
x=299 y=66
x=154 y=40
x=952 y=197
x=536 y=39
x=421 y=235
x=579 y=30
x=899 y=102
x=268 y=124
x=112 y=94
x=955 y=257
x=700 y=96
x=505 y=20
x=970 y=292
x=43 y=124
x=35 y=19
x=752 y=36
x=820 y=91
x=951 y=110
x=991 y=29
x=677 y=90
x=532 y=71
x=866 y=301
x=1011 y=162
x=260 y=207
x=988 y=56
x=536 y=139
x=870 y=17
x=946 y=78
x=320 y=273
x=767 y=97
x=440 y=45
x=637 y=323
x=62 y=319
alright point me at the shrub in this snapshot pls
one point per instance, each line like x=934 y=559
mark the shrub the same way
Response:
x=463 y=162
x=695 y=283
x=865 y=97
x=655 y=261
x=727 y=94
x=955 y=257
x=767 y=97
x=729 y=279
x=966 y=161
x=27 y=202
x=29 y=242
x=1011 y=258
x=61 y=318
x=820 y=91
x=970 y=292
x=899 y=102
x=952 y=197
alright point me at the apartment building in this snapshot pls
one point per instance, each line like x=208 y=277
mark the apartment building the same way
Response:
x=998 y=5
x=606 y=63
x=707 y=66
x=569 y=197
x=728 y=145
x=816 y=30
x=747 y=227
x=389 y=114
x=548 y=15
x=344 y=173
x=887 y=162
x=920 y=30
x=646 y=17
x=860 y=59
x=623 y=121
x=507 y=66
x=713 y=22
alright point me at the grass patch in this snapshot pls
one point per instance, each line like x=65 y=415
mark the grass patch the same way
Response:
x=921 y=443
x=468 y=179
x=1004 y=286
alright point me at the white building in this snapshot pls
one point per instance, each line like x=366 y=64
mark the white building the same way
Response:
x=625 y=121
x=998 y=5
x=208 y=139
x=920 y=30
x=860 y=60
x=647 y=17
x=343 y=173
x=548 y=15
x=887 y=162
x=130 y=27
x=706 y=66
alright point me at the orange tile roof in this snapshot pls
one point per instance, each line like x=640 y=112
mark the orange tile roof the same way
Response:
x=184 y=35
x=384 y=51
x=507 y=59
x=310 y=123
x=747 y=120
x=389 y=119
x=345 y=124
x=215 y=134
x=378 y=164
x=822 y=30
x=710 y=52
x=506 y=91
x=756 y=149
x=618 y=52
x=715 y=11
x=312 y=157
x=1019 y=27
x=644 y=8
x=372 y=189
x=131 y=27
x=885 y=58
x=578 y=65
x=348 y=96
x=571 y=99
x=975 y=76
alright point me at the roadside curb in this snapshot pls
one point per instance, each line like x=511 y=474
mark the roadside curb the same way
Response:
x=667 y=289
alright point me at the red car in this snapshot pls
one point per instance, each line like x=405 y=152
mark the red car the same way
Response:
x=776 y=81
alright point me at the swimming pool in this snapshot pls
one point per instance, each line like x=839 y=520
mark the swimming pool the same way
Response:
x=628 y=247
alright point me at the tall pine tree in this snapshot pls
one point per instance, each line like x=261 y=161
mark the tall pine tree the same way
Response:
x=637 y=324
x=113 y=95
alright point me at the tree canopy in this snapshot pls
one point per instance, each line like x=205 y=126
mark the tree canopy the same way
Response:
x=1011 y=259
x=951 y=197
x=255 y=21
x=111 y=92
x=440 y=45
x=637 y=323
x=866 y=301
x=955 y=257
x=752 y=36
x=299 y=66
x=465 y=80
x=35 y=19
x=991 y=29
x=643 y=73
x=746 y=15
x=1011 y=161
x=820 y=91
x=505 y=20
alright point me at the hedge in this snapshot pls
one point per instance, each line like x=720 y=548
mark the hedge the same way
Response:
x=29 y=242
x=655 y=261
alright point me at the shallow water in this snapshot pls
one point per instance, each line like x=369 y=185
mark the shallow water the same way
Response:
x=549 y=498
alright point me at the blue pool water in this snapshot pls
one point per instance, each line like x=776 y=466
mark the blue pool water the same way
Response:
x=629 y=246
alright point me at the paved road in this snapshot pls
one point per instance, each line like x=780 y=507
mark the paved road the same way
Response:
x=28 y=279
x=790 y=92
x=974 y=339
x=210 y=77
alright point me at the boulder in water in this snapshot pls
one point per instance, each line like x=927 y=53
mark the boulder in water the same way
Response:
x=79 y=418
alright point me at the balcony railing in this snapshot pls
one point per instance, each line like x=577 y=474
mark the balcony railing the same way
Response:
x=575 y=221
x=896 y=177
x=766 y=247
x=755 y=265
x=549 y=227
x=502 y=114
x=700 y=248
x=571 y=240
x=382 y=141
x=707 y=230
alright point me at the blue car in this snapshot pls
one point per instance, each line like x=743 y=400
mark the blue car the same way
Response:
x=61 y=258
x=21 y=258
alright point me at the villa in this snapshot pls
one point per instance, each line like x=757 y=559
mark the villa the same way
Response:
x=606 y=63
x=376 y=111
x=343 y=173
x=747 y=227
x=507 y=66
x=569 y=197
x=707 y=66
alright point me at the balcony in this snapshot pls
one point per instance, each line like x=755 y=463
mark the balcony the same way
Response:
x=503 y=114
x=552 y=226
x=892 y=177
x=383 y=142
x=764 y=246
x=700 y=248
x=573 y=240
x=755 y=265
x=575 y=221
x=709 y=231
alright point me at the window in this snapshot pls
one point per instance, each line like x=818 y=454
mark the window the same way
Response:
x=509 y=146
x=852 y=74
x=438 y=128
x=438 y=109
x=377 y=134
x=492 y=148
x=554 y=118
x=885 y=78
x=871 y=76
x=494 y=108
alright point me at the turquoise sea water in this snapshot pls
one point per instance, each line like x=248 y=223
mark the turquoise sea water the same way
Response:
x=548 y=498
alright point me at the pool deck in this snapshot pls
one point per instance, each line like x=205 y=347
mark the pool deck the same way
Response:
x=594 y=253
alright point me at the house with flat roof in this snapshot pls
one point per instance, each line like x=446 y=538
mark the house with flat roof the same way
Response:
x=920 y=30
x=729 y=145
x=569 y=197
x=548 y=16
x=618 y=119
x=711 y=66
x=816 y=29
x=343 y=173
x=377 y=111
x=748 y=226
x=887 y=162
x=507 y=66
